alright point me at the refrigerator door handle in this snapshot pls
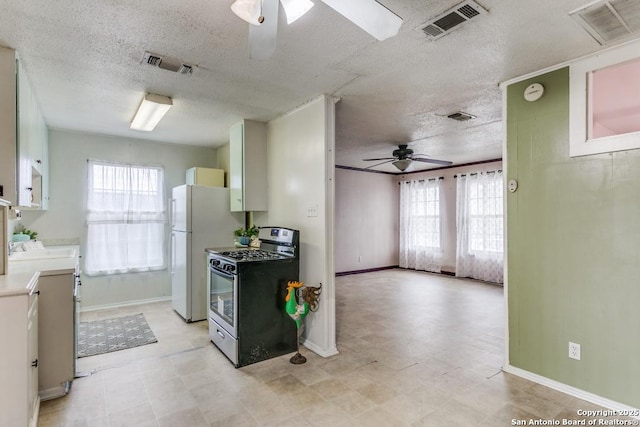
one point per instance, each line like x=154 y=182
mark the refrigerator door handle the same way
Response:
x=172 y=214
x=172 y=247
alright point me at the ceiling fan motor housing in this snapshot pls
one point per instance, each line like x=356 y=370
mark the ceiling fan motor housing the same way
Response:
x=402 y=152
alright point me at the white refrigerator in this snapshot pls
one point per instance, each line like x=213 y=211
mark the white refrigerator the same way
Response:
x=200 y=218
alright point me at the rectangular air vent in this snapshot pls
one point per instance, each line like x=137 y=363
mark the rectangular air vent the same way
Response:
x=442 y=24
x=609 y=20
x=461 y=116
x=166 y=63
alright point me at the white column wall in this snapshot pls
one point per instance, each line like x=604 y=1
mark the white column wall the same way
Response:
x=301 y=176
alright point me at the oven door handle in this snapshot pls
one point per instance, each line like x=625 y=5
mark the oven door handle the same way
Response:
x=221 y=273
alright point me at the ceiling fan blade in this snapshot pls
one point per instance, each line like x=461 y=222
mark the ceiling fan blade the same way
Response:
x=378 y=164
x=369 y=15
x=262 y=38
x=294 y=9
x=434 y=161
x=381 y=158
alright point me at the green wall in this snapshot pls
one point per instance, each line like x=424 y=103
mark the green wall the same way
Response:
x=573 y=250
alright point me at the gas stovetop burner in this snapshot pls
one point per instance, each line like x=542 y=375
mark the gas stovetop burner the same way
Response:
x=251 y=255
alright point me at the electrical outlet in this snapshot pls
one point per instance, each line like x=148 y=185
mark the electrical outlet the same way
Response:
x=574 y=350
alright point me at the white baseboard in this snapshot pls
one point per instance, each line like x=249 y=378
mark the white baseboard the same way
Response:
x=123 y=304
x=319 y=350
x=571 y=391
x=53 y=393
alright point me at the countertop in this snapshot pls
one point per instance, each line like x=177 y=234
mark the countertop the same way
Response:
x=18 y=283
x=47 y=266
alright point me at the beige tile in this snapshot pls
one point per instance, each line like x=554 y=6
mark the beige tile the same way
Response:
x=162 y=389
x=191 y=417
x=221 y=407
x=331 y=388
x=169 y=404
x=377 y=393
x=436 y=362
x=380 y=417
x=236 y=420
x=451 y=414
x=354 y=403
x=139 y=416
x=287 y=384
x=122 y=396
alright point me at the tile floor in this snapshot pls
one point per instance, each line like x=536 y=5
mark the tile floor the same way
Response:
x=416 y=349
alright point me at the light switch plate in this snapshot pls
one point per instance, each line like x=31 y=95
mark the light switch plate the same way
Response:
x=312 y=211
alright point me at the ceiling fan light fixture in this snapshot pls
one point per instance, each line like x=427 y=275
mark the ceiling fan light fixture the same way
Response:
x=248 y=10
x=402 y=164
x=294 y=9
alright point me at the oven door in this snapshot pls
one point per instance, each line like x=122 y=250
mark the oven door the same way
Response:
x=223 y=301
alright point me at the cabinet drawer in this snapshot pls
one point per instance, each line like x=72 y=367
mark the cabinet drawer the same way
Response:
x=225 y=342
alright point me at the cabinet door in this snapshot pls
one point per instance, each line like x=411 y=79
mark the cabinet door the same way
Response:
x=25 y=131
x=32 y=349
x=236 y=167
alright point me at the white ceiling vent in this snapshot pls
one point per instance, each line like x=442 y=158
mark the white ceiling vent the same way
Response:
x=446 y=22
x=166 y=63
x=609 y=20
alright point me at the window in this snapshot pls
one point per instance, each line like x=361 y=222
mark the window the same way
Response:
x=604 y=107
x=420 y=237
x=125 y=218
x=479 y=224
x=485 y=215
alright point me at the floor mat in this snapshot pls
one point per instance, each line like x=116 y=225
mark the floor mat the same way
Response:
x=119 y=333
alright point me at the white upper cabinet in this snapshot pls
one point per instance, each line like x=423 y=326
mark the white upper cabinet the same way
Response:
x=32 y=143
x=248 y=166
x=8 y=183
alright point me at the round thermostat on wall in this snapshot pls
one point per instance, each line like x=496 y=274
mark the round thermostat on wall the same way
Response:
x=533 y=92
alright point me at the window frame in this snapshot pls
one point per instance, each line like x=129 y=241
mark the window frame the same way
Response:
x=134 y=214
x=579 y=108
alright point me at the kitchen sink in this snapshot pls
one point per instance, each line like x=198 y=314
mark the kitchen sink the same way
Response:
x=43 y=254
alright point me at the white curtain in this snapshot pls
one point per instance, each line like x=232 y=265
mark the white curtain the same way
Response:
x=420 y=236
x=479 y=226
x=125 y=218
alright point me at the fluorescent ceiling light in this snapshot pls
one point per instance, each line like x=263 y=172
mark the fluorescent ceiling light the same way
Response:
x=151 y=111
x=369 y=15
x=294 y=9
x=249 y=10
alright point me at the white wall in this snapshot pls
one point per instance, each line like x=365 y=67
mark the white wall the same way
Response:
x=448 y=199
x=65 y=219
x=301 y=165
x=366 y=227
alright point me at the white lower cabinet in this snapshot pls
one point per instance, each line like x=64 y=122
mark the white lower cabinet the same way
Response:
x=56 y=339
x=19 y=400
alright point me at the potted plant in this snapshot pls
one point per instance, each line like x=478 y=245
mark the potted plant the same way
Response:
x=244 y=235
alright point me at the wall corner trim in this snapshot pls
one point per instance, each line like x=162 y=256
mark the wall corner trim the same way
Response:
x=570 y=390
x=319 y=350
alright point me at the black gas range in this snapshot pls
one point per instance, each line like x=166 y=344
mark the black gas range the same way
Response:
x=246 y=292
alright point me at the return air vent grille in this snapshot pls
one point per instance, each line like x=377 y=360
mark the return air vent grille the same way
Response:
x=452 y=18
x=166 y=63
x=461 y=116
x=609 y=20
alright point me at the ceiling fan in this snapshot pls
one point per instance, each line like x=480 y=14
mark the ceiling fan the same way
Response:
x=369 y=15
x=403 y=157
